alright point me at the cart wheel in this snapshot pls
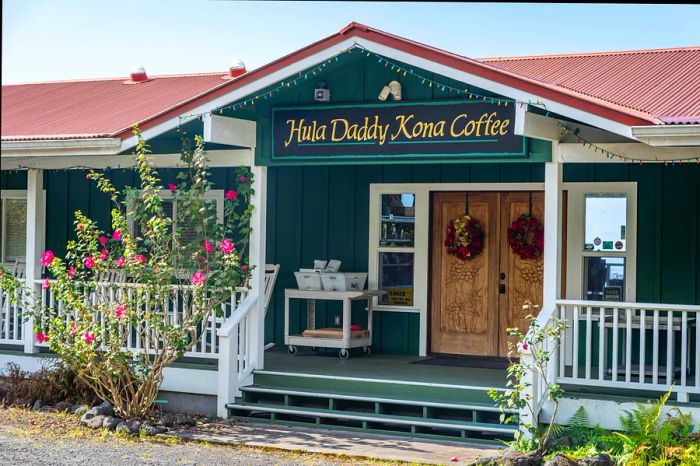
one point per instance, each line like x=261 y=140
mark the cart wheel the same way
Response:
x=292 y=350
x=367 y=350
x=315 y=349
x=344 y=354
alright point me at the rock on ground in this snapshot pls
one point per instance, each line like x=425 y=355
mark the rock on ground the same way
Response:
x=95 y=422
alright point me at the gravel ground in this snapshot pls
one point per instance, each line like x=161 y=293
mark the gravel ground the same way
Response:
x=47 y=451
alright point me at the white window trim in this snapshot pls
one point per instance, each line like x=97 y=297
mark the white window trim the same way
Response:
x=421 y=246
x=17 y=194
x=165 y=194
x=575 y=234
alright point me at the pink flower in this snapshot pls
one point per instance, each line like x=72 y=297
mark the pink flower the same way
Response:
x=525 y=346
x=140 y=258
x=104 y=254
x=208 y=247
x=172 y=187
x=87 y=176
x=103 y=240
x=89 y=262
x=120 y=262
x=231 y=195
x=198 y=279
x=243 y=179
x=80 y=226
x=46 y=284
x=71 y=271
x=41 y=337
x=226 y=246
x=2 y=272
x=117 y=234
x=73 y=328
x=120 y=310
x=47 y=258
x=89 y=337
x=244 y=268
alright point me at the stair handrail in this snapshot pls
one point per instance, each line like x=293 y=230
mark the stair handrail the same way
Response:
x=241 y=311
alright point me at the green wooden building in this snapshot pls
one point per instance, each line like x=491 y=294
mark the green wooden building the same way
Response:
x=367 y=148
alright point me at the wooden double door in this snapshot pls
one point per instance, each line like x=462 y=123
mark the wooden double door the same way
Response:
x=473 y=302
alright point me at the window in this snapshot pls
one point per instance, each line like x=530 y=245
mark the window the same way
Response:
x=13 y=225
x=601 y=251
x=395 y=253
x=214 y=198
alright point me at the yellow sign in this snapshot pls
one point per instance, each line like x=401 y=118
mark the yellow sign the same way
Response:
x=400 y=296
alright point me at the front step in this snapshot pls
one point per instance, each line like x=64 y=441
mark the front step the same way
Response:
x=414 y=408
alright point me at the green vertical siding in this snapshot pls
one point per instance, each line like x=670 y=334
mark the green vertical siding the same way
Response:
x=13 y=179
x=70 y=190
x=668 y=225
x=323 y=212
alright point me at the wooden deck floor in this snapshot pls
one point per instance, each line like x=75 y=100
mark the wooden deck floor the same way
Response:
x=381 y=366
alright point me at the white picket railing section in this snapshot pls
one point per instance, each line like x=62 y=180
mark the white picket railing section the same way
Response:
x=10 y=319
x=176 y=307
x=631 y=346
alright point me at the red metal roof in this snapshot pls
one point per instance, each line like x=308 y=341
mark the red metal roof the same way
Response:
x=632 y=88
x=94 y=108
x=663 y=83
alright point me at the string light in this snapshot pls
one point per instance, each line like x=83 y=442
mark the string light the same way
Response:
x=467 y=94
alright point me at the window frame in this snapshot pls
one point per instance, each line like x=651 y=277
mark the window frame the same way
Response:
x=166 y=195
x=4 y=195
x=576 y=224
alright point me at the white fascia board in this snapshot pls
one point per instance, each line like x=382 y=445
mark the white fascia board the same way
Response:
x=498 y=88
x=60 y=147
x=668 y=135
x=577 y=153
x=320 y=57
x=241 y=92
x=230 y=131
x=217 y=158
x=535 y=126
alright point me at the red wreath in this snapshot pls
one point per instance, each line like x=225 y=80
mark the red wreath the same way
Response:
x=464 y=237
x=526 y=237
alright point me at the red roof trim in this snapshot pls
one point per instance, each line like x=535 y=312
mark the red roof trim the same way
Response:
x=484 y=70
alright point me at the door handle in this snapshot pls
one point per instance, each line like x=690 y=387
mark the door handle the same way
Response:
x=502 y=288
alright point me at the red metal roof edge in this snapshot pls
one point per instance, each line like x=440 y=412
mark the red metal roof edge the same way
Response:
x=51 y=137
x=591 y=54
x=119 y=78
x=601 y=108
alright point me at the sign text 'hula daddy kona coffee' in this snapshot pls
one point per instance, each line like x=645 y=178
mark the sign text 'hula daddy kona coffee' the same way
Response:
x=444 y=129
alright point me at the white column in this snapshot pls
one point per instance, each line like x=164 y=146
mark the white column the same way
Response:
x=257 y=259
x=552 y=230
x=34 y=238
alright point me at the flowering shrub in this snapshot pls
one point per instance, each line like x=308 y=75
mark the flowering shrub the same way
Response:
x=176 y=279
x=517 y=395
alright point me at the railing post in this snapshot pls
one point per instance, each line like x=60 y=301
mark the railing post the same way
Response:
x=530 y=395
x=256 y=344
x=226 y=374
x=34 y=243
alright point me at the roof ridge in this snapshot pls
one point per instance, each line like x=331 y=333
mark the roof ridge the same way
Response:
x=591 y=54
x=118 y=78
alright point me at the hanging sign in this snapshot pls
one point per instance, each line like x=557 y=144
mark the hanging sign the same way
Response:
x=399 y=130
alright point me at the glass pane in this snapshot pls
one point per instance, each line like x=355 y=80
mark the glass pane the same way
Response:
x=604 y=278
x=398 y=220
x=396 y=277
x=606 y=222
x=16 y=228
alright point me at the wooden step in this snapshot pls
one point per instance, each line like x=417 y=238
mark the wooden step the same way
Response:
x=472 y=406
x=377 y=418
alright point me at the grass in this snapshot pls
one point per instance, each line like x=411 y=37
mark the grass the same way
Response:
x=66 y=426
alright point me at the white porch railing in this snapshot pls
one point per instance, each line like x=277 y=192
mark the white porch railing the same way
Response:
x=11 y=329
x=627 y=346
x=636 y=346
x=175 y=307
